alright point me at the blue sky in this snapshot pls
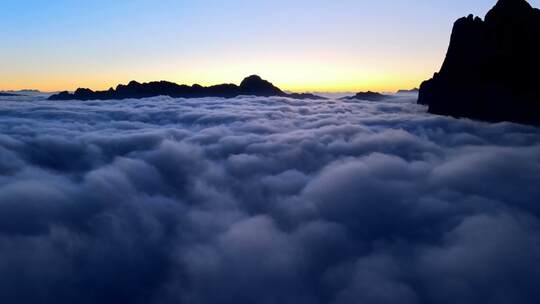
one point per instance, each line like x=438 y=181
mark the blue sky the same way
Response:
x=300 y=45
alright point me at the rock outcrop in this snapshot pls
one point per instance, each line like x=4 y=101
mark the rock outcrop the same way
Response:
x=252 y=85
x=491 y=69
x=369 y=96
x=411 y=91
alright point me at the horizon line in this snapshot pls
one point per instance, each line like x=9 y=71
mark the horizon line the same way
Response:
x=330 y=89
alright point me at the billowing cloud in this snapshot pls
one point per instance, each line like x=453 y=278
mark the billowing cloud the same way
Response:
x=264 y=200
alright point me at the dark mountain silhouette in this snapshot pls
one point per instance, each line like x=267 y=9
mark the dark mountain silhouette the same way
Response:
x=23 y=91
x=2 y=94
x=255 y=85
x=369 y=96
x=491 y=69
x=411 y=91
x=252 y=85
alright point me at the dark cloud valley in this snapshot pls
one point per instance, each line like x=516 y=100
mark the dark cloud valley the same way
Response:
x=264 y=200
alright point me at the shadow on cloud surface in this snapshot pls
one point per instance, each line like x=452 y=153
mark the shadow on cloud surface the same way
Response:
x=265 y=200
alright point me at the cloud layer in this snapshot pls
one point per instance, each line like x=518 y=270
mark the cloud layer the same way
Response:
x=264 y=200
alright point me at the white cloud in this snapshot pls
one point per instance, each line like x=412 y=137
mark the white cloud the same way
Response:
x=270 y=200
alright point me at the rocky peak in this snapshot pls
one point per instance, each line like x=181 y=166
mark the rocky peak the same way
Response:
x=255 y=85
x=509 y=10
x=488 y=70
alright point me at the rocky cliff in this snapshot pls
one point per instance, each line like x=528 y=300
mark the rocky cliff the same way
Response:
x=491 y=69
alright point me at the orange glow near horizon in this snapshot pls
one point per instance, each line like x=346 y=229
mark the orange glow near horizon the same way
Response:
x=381 y=84
x=306 y=78
x=315 y=58
x=299 y=46
x=325 y=69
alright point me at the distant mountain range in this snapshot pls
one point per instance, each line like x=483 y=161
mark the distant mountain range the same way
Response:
x=25 y=91
x=411 y=91
x=252 y=85
x=369 y=96
x=20 y=92
x=491 y=69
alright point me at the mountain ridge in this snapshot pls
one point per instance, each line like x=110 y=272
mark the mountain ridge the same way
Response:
x=253 y=85
x=369 y=96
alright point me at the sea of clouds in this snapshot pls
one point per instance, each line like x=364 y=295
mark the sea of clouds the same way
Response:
x=264 y=200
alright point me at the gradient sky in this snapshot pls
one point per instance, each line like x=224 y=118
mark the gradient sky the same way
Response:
x=300 y=45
